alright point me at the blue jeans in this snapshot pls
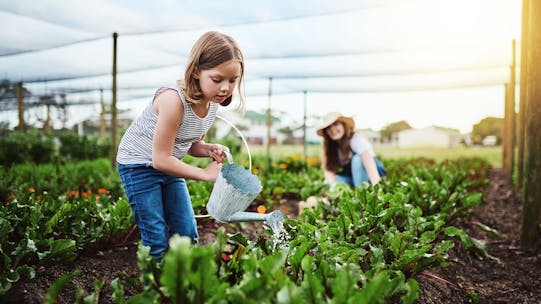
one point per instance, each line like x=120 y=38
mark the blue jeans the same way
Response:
x=358 y=172
x=161 y=206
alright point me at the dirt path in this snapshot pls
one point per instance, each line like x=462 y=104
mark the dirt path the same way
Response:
x=511 y=276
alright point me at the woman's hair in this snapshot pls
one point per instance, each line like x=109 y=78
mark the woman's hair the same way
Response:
x=330 y=160
x=211 y=50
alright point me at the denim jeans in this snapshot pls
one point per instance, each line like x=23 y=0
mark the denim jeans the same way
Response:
x=161 y=206
x=358 y=172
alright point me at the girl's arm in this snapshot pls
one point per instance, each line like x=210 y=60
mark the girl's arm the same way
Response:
x=370 y=166
x=202 y=149
x=170 y=113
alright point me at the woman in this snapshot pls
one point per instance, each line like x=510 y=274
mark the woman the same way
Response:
x=347 y=156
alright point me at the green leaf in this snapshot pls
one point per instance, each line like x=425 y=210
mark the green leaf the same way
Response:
x=299 y=253
x=51 y=296
x=118 y=291
x=427 y=237
x=312 y=289
x=343 y=286
x=411 y=255
x=60 y=250
x=290 y=293
x=177 y=260
x=374 y=290
x=94 y=297
x=493 y=232
x=412 y=292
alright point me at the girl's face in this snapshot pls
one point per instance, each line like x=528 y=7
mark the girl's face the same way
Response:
x=217 y=84
x=335 y=131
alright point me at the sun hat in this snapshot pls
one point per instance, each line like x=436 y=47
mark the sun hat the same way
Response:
x=331 y=117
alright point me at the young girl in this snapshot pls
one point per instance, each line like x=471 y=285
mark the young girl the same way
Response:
x=172 y=125
x=347 y=157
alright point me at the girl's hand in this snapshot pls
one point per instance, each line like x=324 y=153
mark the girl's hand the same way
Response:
x=217 y=152
x=212 y=171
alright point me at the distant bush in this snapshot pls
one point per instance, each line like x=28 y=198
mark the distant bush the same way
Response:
x=76 y=147
x=32 y=146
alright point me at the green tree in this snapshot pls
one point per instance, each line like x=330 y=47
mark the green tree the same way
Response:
x=487 y=126
x=391 y=129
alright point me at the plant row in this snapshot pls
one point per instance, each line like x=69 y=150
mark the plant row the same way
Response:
x=362 y=245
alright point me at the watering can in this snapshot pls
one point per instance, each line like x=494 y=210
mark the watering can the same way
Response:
x=234 y=190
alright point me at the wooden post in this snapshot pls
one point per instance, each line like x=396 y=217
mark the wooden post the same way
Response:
x=509 y=122
x=102 y=115
x=531 y=211
x=20 y=107
x=508 y=127
x=114 y=124
x=47 y=123
x=523 y=83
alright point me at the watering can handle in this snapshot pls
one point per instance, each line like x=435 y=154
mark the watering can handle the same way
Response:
x=229 y=157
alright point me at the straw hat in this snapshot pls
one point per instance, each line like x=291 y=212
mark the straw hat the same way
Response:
x=331 y=117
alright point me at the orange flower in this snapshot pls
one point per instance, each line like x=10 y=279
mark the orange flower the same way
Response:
x=255 y=170
x=261 y=209
x=73 y=193
x=11 y=197
x=283 y=166
x=103 y=191
x=31 y=190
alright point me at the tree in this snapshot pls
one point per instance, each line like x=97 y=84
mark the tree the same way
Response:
x=391 y=129
x=487 y=126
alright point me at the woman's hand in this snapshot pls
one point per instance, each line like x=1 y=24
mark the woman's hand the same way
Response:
x=217 y=152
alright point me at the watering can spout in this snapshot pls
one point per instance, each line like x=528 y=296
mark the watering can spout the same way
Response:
x=274 y=219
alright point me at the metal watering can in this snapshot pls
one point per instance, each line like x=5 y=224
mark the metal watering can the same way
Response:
x=234 y=190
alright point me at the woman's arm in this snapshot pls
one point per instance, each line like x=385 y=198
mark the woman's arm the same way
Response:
x=330 y=177
x=370 y=167
x=170 y=114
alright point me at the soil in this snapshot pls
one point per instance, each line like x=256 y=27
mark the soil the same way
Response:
x=511 y=275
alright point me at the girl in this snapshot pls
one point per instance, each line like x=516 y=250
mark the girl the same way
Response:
x=347 y=157
x=174 y=124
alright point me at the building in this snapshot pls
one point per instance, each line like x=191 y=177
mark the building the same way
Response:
x=252 y=125
x=429 y=137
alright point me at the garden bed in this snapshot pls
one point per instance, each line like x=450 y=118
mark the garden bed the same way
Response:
x=510 y=276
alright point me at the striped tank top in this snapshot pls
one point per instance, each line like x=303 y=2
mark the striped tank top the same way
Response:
x=136 y=145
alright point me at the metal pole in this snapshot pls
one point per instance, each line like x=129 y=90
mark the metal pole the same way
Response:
x=113 y=105
x=304 y=129
x=20 y=106
x=269 y=123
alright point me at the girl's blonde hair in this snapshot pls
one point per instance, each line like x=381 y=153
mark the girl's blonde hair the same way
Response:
x=330 y=159
x=211 y=50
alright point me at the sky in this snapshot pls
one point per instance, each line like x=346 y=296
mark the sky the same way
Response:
x=429 y=62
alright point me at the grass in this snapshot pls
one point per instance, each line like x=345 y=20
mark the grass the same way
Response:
x=492 y=154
